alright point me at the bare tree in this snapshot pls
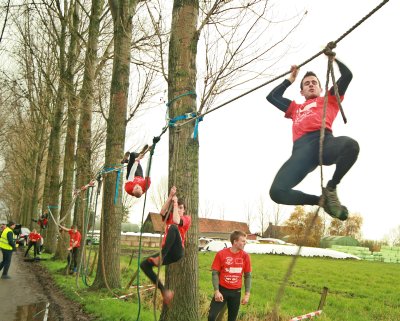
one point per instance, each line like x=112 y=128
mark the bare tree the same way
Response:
x=116 y=118
x=72 y=115
x=182 y=277
x=55 y=20
x=262 y=215
x=277 y=213
x=206 y=209
x=249 y=212
x=393 y=237
x=108 y=273
x=84 y=148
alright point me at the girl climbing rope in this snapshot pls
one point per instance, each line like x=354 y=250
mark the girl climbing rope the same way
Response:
x=136 y=185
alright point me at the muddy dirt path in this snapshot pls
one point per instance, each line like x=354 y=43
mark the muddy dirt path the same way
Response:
x=31 y=294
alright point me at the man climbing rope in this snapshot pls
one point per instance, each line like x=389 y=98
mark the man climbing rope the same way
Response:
x=136 y=185
x=307 y=120
x=74 y=244
x=173 y=243
x=228 y=267
x=34 y=240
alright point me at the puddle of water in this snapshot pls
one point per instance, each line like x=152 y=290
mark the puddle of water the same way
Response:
x=35 y=312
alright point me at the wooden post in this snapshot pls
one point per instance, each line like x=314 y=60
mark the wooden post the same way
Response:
x=132 y=279
x=323 y=298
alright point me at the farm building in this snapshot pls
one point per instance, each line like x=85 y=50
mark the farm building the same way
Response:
x=208 y=228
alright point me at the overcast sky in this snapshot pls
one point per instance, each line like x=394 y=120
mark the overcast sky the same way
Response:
x=246 y=142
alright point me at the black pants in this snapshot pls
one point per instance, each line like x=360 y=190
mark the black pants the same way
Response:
x=231 y=298
x=5 y=264
x=342 y=151
x=35 y=248
x=73 y=259
x=172 y=251
x=139 y=170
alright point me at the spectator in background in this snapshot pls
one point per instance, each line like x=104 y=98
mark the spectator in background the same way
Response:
x=74 y=244
x=34 y=240
x=7 y=246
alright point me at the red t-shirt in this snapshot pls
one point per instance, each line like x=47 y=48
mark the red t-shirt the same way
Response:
x=74 y=237
x=34 y=237
x=307 y=117
x=43 y=222
x=142 y=182
x=186 y=220
x=231 y=267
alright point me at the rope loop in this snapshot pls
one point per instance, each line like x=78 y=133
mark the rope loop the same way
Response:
x=328 y=52
x=188 y=93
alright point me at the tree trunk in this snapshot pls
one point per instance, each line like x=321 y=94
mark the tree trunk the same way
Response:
x=70 y=140
x=40 y=146
x=51 y=197
x=84 y=148
x=182 y=277
x=108 y=271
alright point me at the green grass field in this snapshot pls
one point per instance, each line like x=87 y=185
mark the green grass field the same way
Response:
x=358 y=290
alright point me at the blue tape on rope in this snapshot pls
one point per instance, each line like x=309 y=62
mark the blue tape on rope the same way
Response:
x=116 y=187
x=196 y=127
x=52 y=206
x=106 y=170
x=181 y=117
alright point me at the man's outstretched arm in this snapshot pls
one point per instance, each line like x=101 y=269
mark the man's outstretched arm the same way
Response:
x=276 y=98
x=345 y=77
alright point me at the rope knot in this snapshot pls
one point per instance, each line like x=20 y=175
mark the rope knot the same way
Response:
x=331 y=45
x=328 y=49
x=156 y=139
x=329 y=52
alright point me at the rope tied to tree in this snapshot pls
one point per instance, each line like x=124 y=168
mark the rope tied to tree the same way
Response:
x=188 y=93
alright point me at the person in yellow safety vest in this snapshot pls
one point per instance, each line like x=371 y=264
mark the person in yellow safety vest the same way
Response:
x=7 y=246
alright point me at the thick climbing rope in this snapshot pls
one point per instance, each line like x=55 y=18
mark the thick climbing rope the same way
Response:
x=288 y=72
x=89 y=194
x=85 y=272
x=83 y=267
x=175 y=162
x=148 y=170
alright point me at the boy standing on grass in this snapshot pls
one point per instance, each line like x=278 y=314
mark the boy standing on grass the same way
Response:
x=227 y=270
